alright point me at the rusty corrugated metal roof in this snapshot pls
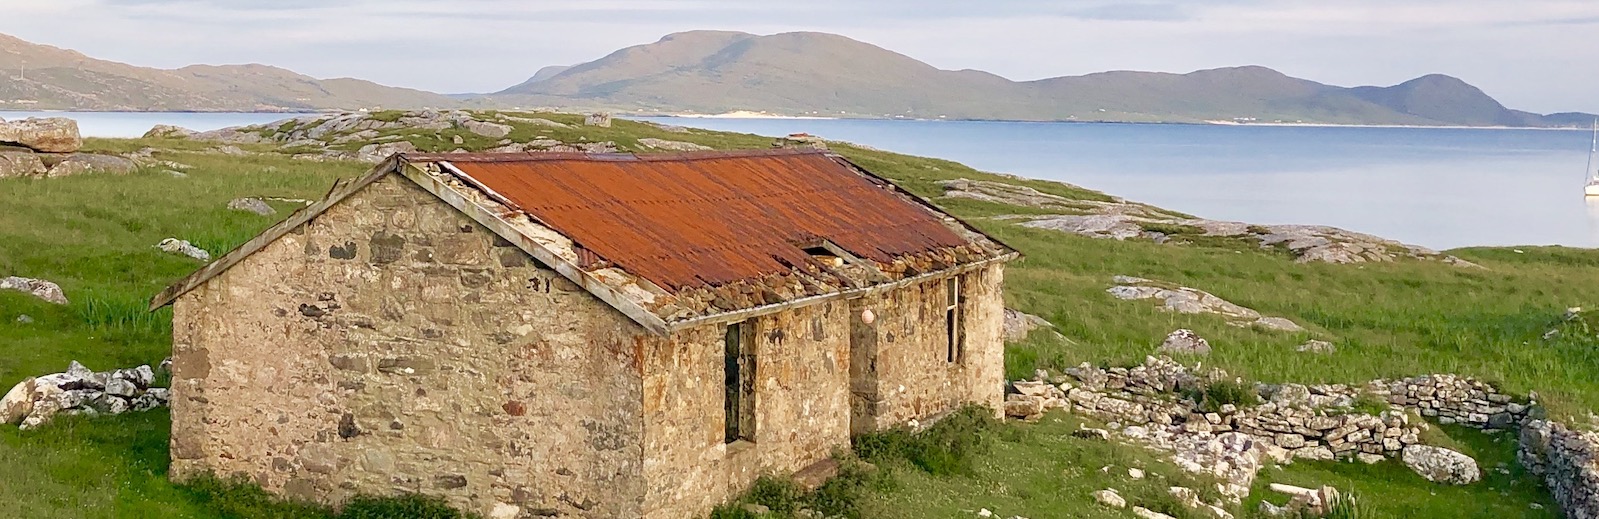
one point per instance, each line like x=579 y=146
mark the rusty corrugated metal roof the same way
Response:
x=710 y=219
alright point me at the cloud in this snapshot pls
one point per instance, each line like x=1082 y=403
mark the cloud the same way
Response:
x=1530 y=53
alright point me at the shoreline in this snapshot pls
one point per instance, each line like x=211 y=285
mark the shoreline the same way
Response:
x=751 y=115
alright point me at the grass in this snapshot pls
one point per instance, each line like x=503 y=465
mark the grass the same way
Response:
x=95 y=235
x=1390 y=490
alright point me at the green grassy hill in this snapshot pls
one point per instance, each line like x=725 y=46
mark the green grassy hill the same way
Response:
x=95 y=235
x=831 y=75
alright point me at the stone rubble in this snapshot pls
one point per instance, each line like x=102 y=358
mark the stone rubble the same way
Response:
x=48 y=148
x=1110 y=498
x=1122 y=220
x=41 y=289
x=183 y=247
x=1151 y=405
x=35 y=401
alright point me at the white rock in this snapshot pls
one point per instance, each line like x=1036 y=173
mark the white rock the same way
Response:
x=183 y=247
x=18 y=403
x=1441 y=465
x=1110 y=498
x=41 y=289
x=1185 y=341
x=1135 y=473
x=1146 y=513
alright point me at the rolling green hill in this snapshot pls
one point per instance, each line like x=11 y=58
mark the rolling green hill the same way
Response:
x=826 y=74
x=41 y=77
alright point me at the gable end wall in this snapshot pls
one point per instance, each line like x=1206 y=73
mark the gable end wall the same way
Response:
x=393 y=345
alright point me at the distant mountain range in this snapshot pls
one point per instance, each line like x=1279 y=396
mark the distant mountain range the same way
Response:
x=802 y=73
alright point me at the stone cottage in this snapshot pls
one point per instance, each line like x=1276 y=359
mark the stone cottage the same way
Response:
x=533 y=335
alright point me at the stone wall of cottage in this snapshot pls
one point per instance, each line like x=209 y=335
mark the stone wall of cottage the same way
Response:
x=392 y=345
x=901 y=367
x=801 y=407
x=1568 y=460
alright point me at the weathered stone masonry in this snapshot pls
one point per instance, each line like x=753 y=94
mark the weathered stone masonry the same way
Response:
x=394 y=345
x=391 y=346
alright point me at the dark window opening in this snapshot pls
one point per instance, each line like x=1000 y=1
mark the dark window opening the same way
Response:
x=739 y=383
x=825 y=256
x=954 y=325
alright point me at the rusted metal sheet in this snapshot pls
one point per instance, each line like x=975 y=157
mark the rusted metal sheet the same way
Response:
x=710 y=219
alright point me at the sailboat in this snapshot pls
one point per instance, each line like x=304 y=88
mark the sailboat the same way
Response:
x=1592 y=189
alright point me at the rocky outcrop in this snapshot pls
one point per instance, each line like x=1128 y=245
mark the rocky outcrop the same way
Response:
x=39 y=288
x=1122 y=220
x=1440 y=465
x=1187 y=300
x=166 y=131
x=184 y=248
x=371 y=138
x=35 y=401
x=47 y=135
x=21 y=164
x=86 y=163
x=663 y=144
x=1568 y=461
x=602 y=120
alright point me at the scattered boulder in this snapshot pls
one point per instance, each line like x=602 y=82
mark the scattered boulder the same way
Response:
x=1109 y=497
x=602 y=120
x=231 y=150
x=1024 y=407
x=166 y=131
x=78 y=390
x=662 y=144
x=25 y=319
x=183 y=247
x=252 y=205
x=1441 y=465
x=1018 y=324
x=535 y=121
x=39 y=288
x=89 y=162
x=20 y=164
x=487 y=129
x=47 y=135
x=1145 y=513
x=1185 y=341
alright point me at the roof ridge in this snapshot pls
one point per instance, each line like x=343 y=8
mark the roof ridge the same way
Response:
x=537 y=156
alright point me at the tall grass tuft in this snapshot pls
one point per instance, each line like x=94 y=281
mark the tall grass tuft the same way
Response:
x=946 y=448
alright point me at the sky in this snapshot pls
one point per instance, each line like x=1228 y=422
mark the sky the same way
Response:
x=1537 y=55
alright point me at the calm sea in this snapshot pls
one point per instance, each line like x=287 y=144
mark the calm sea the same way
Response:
x=1438 y=187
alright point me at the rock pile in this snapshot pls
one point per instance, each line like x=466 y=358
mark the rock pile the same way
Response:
x=47 y=148
x=1186 y=342
x=1185 y=300
x=1568 y=460
x=35 y=401
x=1122 y=220
x=38 y=287
x=1154 y=404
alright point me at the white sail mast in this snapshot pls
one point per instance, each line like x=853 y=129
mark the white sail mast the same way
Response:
x=1593 y=150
